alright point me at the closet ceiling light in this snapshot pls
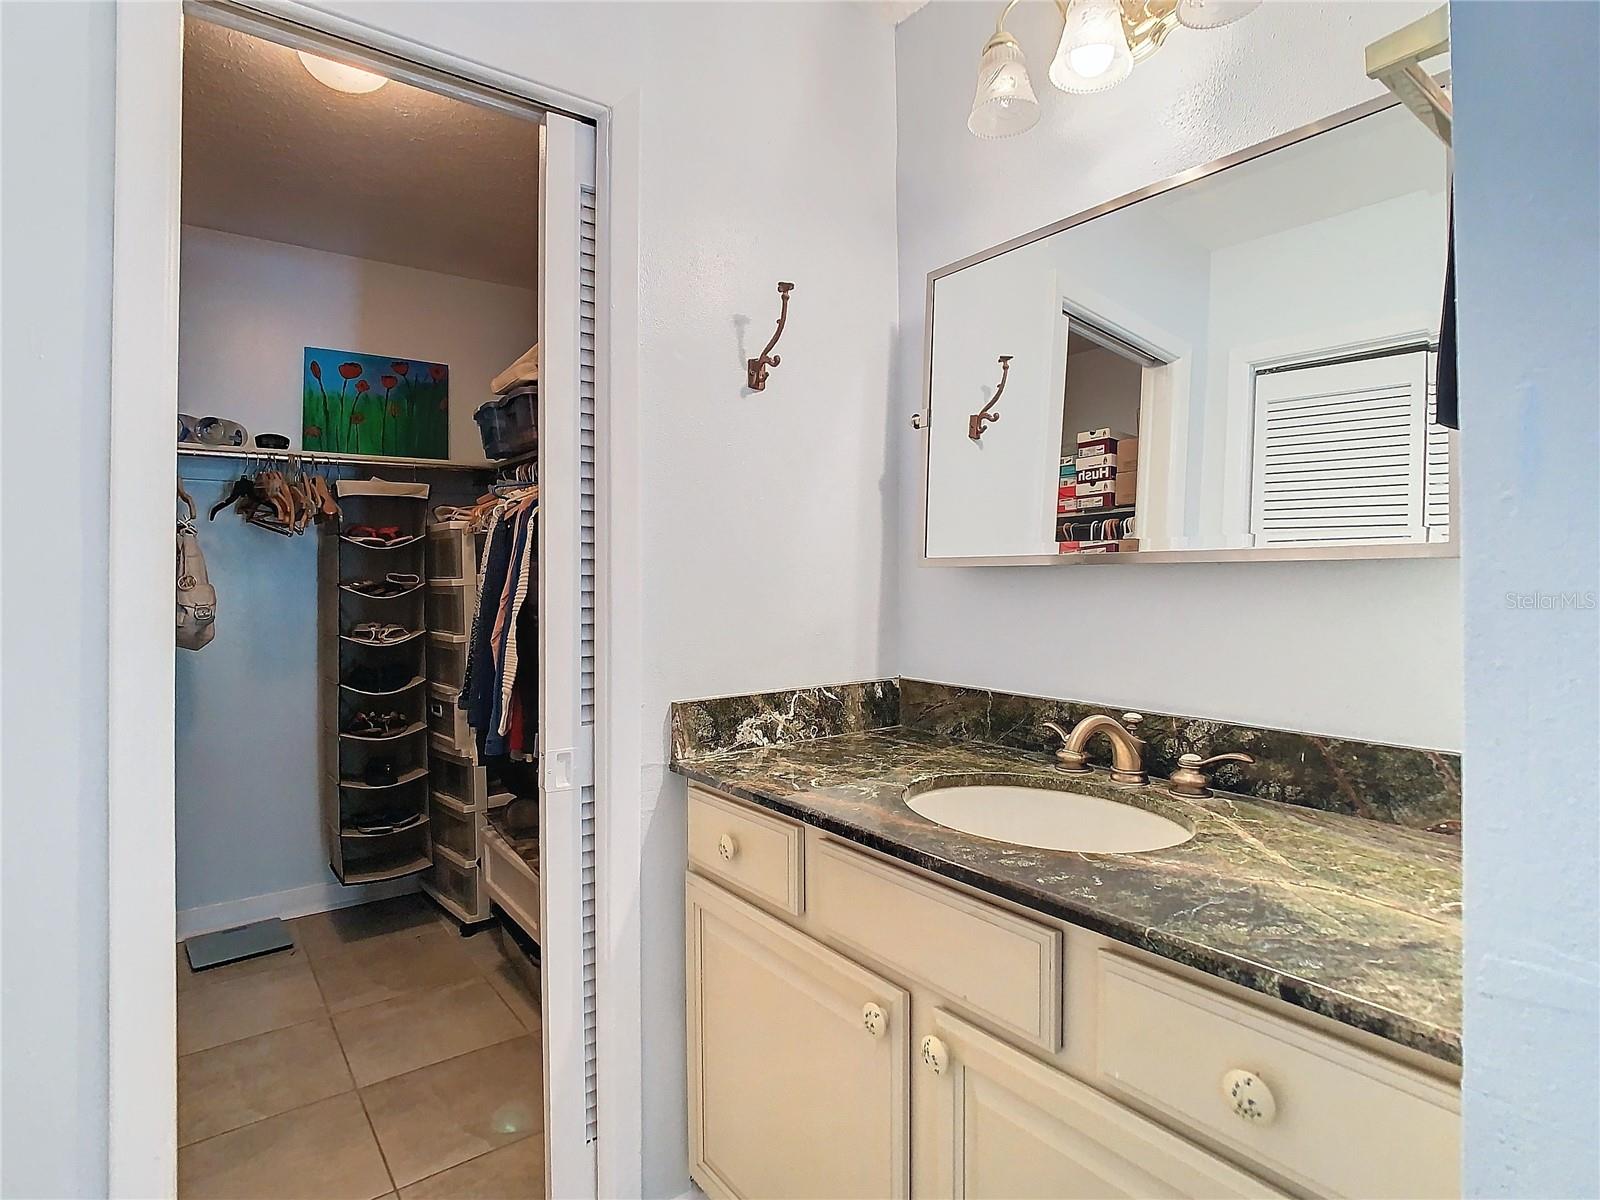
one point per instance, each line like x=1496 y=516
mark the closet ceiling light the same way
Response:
x=338 y=76
x=1101 y=40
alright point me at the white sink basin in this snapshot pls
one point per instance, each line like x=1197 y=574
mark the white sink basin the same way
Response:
x=1048 y=820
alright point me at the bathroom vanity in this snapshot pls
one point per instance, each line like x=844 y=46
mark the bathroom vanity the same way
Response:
x=881 y=1005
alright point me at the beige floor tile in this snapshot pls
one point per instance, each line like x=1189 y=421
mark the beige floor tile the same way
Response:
x=212 y=1012
x=396 y=1036
x=232 y=1085
x=432 y=1119
x=514 y=1172
x=509 y=985
x=483 y=948
x=263 y=964
x=390 y=965
x=324 y=1151
x=326 y=933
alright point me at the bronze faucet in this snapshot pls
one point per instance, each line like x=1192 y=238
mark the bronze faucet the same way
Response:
x=1126 y=766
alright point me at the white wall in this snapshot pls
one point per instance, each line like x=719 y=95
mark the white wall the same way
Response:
x=251 y=307
x=1528 y=238
x=1372 y=272
x=57 y=338
x=249 y=835
x=766 y=151
x=1362 y=649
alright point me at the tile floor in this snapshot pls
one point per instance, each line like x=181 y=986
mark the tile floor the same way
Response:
x=385 y=1055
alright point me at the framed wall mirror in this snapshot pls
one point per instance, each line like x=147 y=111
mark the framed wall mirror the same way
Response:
x=1235 y=363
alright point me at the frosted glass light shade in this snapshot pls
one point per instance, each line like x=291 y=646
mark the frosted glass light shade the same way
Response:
x=1093 y=54
x=340 y=77
x=1003 y=104
x=1212 y=14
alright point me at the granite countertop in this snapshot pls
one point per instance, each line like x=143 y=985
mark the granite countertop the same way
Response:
x=1355 y=919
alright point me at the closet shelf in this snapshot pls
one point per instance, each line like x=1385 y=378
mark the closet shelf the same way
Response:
x=355 y=835
x=355 y=641
x=362 y=785
x=410 y=866
x=397 y=544
x=409 y=731
x=410 y=591
x=350 y=687
x=256 y=454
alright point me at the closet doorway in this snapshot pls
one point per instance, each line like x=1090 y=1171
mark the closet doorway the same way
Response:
x=366 y=245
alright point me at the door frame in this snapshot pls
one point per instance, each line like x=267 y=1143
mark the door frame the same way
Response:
x=141 y=856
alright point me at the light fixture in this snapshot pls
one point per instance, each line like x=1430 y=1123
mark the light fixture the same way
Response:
x=1003 y=103
x=1213 y=14
x=338 y=76
x=1101 y=41
x=1093 y=54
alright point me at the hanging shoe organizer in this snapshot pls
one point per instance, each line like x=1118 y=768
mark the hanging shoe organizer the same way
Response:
x=372 y=651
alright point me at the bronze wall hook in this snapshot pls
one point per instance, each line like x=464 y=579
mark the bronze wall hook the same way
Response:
x=980 y=419
x=757 y=368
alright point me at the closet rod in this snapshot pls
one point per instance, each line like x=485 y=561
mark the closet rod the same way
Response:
x=316 y=456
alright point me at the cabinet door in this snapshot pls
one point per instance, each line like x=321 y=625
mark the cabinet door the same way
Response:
x=798 y=1061
x=993 y=1122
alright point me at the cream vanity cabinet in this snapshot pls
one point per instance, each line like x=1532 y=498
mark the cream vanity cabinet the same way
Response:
x=858 y=1028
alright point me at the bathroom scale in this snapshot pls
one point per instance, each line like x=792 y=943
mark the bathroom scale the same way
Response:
x=231 y=945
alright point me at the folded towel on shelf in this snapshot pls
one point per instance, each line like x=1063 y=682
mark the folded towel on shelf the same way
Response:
x=524 y=371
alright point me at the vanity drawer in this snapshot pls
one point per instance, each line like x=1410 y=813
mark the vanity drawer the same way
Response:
x=755 y=852
x=997 y=965
x=1347 y=1122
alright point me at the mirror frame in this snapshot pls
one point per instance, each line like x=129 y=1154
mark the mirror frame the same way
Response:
x=922 y=419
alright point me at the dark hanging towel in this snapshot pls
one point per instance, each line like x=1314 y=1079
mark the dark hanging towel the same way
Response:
x=1448 y=410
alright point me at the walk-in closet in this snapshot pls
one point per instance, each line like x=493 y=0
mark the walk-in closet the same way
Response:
x=385 y=628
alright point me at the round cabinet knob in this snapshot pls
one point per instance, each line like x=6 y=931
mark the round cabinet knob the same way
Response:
x=874 y=1020
x=918 y=421
x=727 y=847
x=1249 y=1096
x=935 y=1055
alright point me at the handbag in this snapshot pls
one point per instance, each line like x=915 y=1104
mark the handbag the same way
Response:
x=197 y=599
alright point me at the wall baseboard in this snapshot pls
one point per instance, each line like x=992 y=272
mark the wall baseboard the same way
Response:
x=296 y=902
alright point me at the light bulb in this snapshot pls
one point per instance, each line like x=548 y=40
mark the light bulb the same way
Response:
x=1091 y=61
x=1213 y=14
x=1093 y=54
x=1003 y=103
x=338 y=76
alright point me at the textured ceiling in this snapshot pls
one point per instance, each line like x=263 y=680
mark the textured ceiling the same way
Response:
x=400 y=174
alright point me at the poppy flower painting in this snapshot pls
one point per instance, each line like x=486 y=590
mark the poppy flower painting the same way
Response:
x=354 y=403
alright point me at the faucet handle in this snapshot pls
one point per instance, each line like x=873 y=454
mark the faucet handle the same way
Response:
x=1190 y=781
x=1074 y=761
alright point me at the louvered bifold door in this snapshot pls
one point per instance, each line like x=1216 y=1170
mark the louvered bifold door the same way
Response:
x=566 y=661
x=1340 y=452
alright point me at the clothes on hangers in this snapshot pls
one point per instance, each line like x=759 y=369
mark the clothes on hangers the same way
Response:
x=279 y=503
x=499 y=693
